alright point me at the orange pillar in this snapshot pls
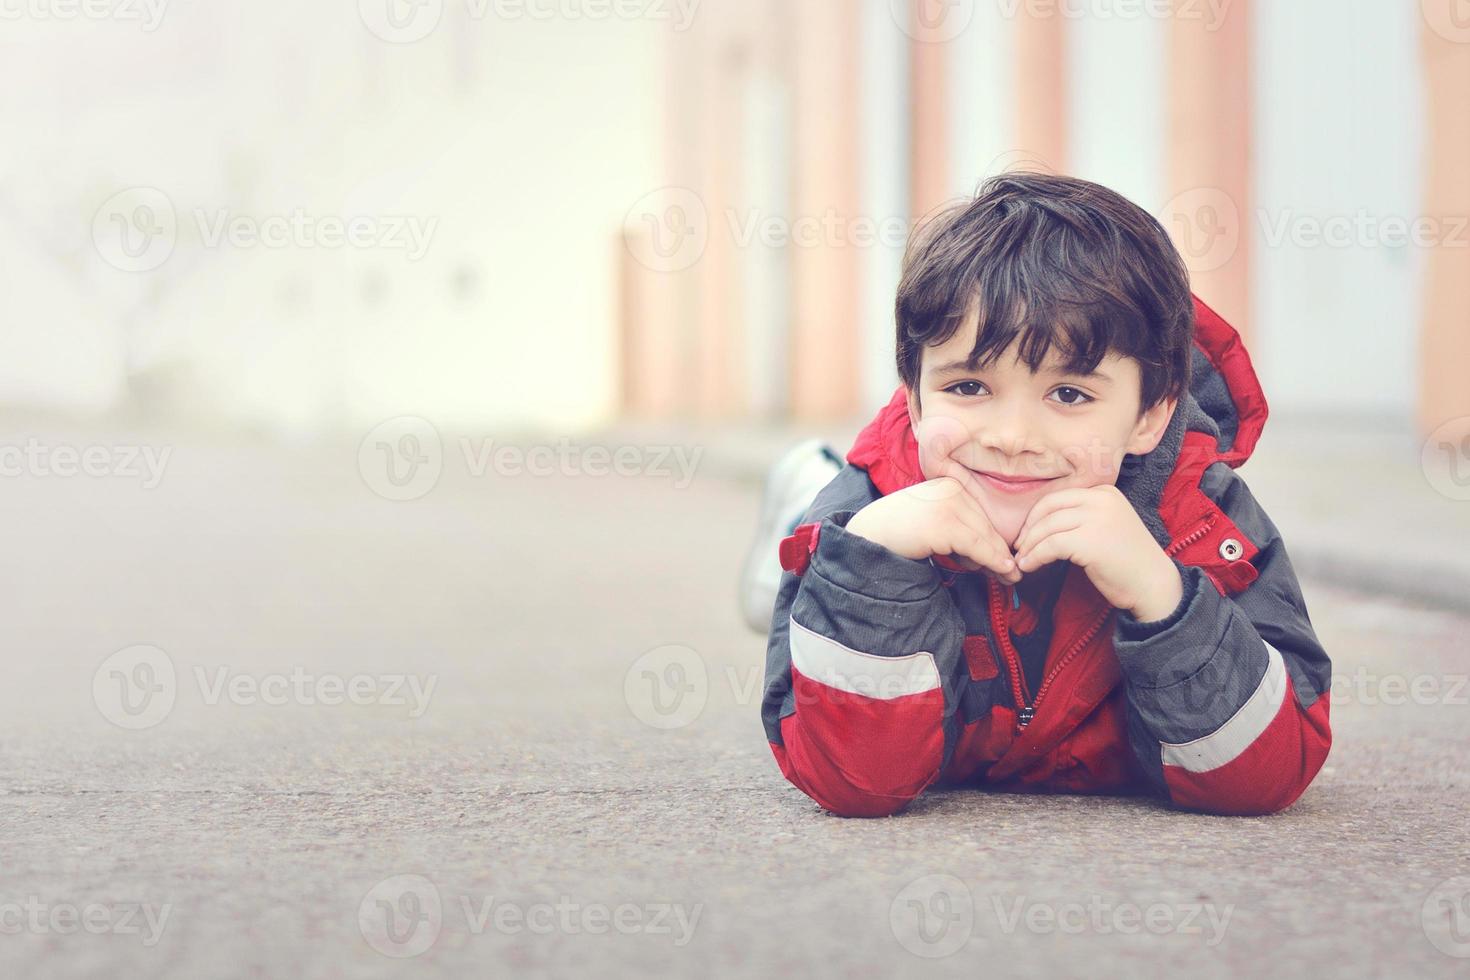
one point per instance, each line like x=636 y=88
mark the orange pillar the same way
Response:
x=929 y=149
x=720 y=380
x=682 y=330
x=825 y=324
x=664 y=237
x=1041 y=88
x=1210 y=143
x=1444 y=346
x=650 y=349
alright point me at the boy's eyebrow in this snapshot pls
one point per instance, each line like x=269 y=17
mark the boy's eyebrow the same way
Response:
x=955 y=366
x=965 y=366
x=1093 y=375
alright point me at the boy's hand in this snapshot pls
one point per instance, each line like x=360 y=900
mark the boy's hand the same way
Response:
x=1098 y=529
x=936 y=517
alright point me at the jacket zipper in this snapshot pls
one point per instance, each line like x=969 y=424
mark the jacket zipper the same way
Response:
x=1000 y=622
x=1200 y=531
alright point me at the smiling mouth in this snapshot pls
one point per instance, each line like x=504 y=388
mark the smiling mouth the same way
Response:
x=1013 y=484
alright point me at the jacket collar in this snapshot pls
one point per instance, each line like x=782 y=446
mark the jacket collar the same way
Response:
x=1224 y=399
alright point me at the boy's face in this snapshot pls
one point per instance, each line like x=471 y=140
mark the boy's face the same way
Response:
x=1049 y=430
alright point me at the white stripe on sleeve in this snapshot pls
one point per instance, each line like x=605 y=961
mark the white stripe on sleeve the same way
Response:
x=1232 y=738
x=825 y=660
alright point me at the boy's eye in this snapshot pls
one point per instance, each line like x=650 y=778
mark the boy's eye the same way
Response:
x=966 y=388
x=1080 y=399
x=1067 y=395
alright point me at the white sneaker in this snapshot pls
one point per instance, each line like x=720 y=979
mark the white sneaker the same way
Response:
x=791 y=486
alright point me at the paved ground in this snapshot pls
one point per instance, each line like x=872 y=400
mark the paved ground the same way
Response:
x=533 y=819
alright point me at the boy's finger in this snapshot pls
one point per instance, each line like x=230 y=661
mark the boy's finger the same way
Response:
x=974 y=512
x=978 y=540
x=1054 y=547
x=1047 y=526
x=1049 y=504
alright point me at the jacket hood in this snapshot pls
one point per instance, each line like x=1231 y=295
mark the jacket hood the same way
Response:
x=1224 y=399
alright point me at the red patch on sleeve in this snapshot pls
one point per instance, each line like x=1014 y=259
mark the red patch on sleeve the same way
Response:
x=796 y=549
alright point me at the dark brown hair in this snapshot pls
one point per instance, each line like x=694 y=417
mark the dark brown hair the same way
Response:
x=1054 y=260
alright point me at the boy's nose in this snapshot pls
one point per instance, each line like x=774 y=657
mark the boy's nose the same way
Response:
x=1007 y=433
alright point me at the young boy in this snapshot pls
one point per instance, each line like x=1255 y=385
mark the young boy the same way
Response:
x=1037 y=569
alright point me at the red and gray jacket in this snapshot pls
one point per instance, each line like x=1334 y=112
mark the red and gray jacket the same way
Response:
x=886 y=675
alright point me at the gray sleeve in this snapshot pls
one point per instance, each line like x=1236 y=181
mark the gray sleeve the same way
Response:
x=860 y=595
x=1191 y=672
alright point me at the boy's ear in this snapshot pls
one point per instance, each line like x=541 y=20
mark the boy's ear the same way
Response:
x=913 y=399
x=1151 y=426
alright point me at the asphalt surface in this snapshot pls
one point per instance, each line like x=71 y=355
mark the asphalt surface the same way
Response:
x=579 y=781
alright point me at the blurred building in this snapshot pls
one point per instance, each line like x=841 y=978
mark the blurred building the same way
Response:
x=693 y=208
x=520 y=139
x=1311 y=160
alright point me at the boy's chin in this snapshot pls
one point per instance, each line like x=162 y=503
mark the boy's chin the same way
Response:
x=1008 y=512
x=1007 y=517
x=1009 y=529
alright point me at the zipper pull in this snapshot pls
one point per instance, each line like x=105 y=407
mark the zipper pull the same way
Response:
x=1015 y=598
x=1024 y=717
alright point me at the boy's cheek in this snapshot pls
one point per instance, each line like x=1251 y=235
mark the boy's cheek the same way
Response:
x=943 y=441
x=1094 y=463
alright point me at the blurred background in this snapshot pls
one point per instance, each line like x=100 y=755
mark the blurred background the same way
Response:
x=1306 y=157
x=635 y=221
x=575 y=211
x=452 y=339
